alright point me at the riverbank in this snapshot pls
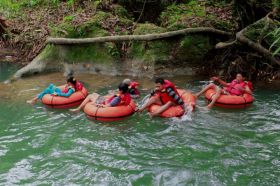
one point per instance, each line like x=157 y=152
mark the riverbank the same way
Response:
x=195 y=53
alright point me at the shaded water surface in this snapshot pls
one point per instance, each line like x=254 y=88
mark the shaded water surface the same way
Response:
x=39 y=145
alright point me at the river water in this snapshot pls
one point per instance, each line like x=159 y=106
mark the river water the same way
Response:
x=43 y=146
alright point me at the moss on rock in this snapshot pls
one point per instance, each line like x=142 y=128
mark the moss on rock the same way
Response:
x=193 y=48
x=149 y=51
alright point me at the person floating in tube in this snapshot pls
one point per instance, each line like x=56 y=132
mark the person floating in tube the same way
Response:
x=164 y=94
x=121 y=98
x=72 y=86
x=132 y=88
x=237 y=87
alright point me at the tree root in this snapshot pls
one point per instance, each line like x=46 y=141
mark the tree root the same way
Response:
x=256 y=46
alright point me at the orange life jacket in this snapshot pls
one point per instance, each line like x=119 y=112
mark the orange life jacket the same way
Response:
x=164 y=97
x=125 y=99
x=233 y=88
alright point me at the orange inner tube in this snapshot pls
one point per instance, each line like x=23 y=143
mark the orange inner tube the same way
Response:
x=230 y=101
x=109 y=113
x=176 y=111
x=65 y=102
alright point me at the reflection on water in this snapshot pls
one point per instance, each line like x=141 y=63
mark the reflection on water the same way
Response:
x=39 y=145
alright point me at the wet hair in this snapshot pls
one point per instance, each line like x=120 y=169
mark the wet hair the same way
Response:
x=123 y=87
x=71 y=80
x=127 y=81
x=159 y=80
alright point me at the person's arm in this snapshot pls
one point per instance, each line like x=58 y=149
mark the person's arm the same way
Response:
x=247 y=90
x=69 y=93
x=175 y=96
x=153 y=92
x=225 y=84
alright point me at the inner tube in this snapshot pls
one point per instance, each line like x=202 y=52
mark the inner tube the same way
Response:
x=65 y=102
x=175 y=111
x=107 y=114
x=230 y=101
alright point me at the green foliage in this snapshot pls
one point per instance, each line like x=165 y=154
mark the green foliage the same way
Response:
x=8 y=6
x=12 y=5
x=276 y=3
x=148 y=28
x=68 y=18
x=71 y=2
x=112 y=49
x=120 y=11
x=91 y=28
x=276 y=43
x=149 y=51
x=193 y=48
x=175 y=15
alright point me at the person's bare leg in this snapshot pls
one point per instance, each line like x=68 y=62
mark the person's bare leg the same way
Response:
x=215 y=97
x=211 y=85
x=162 y=109
x=89 y=98
x=32 y=101
x=152 y=100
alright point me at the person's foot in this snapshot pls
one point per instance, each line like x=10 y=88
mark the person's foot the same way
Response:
x=30 y=101
x=151 y=114
x=74 y=110
x=196 y=95
x=209 y=107
x=204 y=109
x=139 y=110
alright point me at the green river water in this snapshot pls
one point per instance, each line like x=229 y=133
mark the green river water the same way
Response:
x=43 y=146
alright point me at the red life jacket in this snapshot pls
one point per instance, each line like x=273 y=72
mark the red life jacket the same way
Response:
x=164 y=97
x=66 y=89
x=133 y=86
x=79 y=86
x=233 y=88
x=125 y=99
x=250 y=85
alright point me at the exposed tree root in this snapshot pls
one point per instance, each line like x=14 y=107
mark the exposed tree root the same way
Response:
x=259 y=48
x=256 y=46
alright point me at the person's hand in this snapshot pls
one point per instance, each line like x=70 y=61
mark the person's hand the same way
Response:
x=214 y=78
x=187 y=107
x=239 y=87
x=99 y=105
x=153 y=92
x=156 y=89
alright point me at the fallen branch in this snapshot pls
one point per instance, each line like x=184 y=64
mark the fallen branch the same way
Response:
x=147 y=37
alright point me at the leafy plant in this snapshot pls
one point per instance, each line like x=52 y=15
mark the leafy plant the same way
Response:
x=276 y=43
